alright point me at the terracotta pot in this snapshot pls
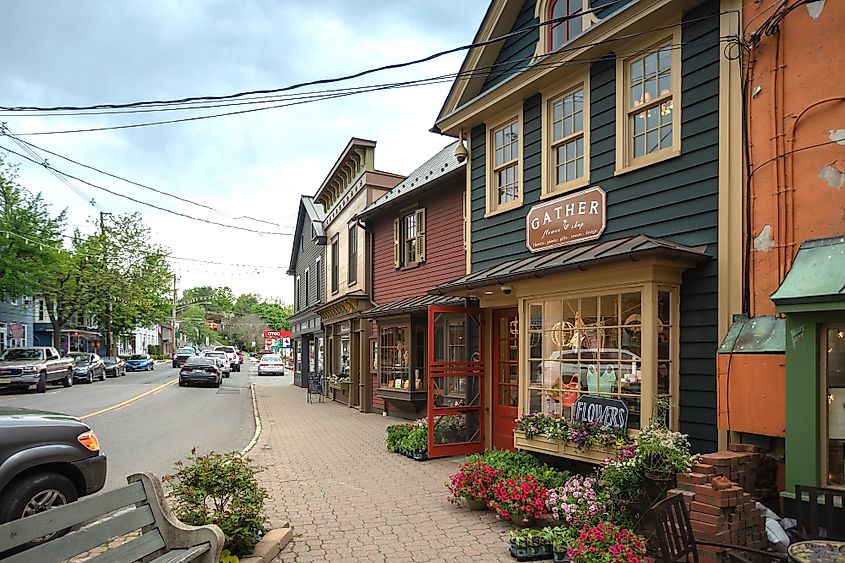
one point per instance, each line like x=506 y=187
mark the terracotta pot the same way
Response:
x=476 y=503
x=521 y=520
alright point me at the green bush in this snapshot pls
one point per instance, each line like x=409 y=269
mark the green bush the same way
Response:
x=221 y=489
x=154 y=349
x=395 y=435
x=416 y=441
x=516 y=464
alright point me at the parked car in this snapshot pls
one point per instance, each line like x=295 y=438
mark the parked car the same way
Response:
x=139 y=362
x=226 y=365
x=46 y=460
x=87 y=366
x=201 y=369
x=271 y=364
x=36 y=366
x=115 y=367
x=182 y=354
x=234 y=363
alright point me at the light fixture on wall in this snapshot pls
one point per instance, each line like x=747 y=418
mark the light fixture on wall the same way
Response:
x=461 y=152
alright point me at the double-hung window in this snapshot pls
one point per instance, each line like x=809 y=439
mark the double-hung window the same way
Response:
x=567 y=134
x=504 y=164
x=352 y=243
x=648 y=105
x=296 y=294
x=307 y=287
x=409 y=239
x=335 y=264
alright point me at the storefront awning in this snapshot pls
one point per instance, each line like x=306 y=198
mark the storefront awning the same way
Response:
x=579 y=257
x=412 y=305
x=816 y=279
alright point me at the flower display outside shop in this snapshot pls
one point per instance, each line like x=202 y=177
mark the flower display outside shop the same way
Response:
x=518 y=498
x=585 y=435
x=607 y=543
x=473 y=481
x=580 y=501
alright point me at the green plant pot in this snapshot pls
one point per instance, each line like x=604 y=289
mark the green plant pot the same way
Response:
x=476 y=503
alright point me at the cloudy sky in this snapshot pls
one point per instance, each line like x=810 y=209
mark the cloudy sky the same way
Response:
x=116 y=51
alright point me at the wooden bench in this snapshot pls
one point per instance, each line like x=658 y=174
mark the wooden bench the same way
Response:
x=139 y=506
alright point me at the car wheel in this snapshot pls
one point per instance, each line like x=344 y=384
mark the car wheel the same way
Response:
x=41 y=386
x=68 y=380
x=103 y=375
x=182 y=384
x=32 y=494
x=90 y=377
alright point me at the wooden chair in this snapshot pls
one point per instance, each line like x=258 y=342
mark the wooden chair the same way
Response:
x=677 y=542
x=821 y=515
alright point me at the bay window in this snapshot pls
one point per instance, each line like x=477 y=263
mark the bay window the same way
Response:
x=599 y=344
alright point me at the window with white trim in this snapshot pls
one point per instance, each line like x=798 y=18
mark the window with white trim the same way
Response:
x=296 y=294
x=318 y=277
x=307 y=286
x=504 y=187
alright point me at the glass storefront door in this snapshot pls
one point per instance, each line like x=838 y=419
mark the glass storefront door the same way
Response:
x=455 y=375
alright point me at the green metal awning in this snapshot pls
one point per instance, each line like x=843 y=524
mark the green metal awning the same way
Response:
x=816 y=280
x=765 y=334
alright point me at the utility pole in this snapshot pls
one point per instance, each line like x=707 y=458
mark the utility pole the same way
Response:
x=108 y=297
x=173 y=320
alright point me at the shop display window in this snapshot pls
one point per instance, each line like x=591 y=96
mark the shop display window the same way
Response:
x=593 y=345
x=297 y=352
x=834 y=367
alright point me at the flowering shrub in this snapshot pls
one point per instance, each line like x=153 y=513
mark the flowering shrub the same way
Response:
x=580 y=501
x=522 y=496
x=474 y=479
x=622 y=475
x=663 y=453
x=607 y=543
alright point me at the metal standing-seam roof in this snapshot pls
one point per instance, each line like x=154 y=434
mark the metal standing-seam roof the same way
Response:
x=440 y=165
x=411 y=305
x=817 y=274
x=575 y=257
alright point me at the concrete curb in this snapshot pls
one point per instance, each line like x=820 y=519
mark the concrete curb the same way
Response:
x=270 y=545
x=257 y=422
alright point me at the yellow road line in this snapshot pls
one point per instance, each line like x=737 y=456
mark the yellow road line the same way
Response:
x=128 y=401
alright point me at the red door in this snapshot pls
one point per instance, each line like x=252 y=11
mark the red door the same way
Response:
x=505 y=376
x=455 y=375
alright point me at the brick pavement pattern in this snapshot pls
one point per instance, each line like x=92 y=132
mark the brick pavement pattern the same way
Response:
x=348 y=499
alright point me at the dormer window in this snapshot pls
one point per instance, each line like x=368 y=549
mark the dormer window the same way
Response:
x=570 y=12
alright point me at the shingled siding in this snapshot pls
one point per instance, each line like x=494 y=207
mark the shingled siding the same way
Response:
x=517 y=50
x=676 y=199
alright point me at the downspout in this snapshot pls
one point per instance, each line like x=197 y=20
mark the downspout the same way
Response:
x=365 y=382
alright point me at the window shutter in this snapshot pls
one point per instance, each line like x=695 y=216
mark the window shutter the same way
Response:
x=421 y=235
x=396 y=243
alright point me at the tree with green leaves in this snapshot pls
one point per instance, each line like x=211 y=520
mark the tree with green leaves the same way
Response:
x=275 y=314
x=30 y=238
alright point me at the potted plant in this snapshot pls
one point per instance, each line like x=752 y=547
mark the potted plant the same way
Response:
x=473 y=484
x=607 y=543
x=528 y=544
x=580 y=501
x=520 y=499
x=558 y=538
x=395 y=434
x=662 y=454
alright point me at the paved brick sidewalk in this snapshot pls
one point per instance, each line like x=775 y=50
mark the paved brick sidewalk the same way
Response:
x=349 y=499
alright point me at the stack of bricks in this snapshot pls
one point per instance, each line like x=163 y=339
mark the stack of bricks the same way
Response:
x=720 y=510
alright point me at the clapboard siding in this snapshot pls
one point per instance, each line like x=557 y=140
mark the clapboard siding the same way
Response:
x=675 y=199
x=516 y=51
x=445 y=258
x=307 y=258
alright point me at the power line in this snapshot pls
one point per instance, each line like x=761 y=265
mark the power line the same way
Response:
x=296 y=86
x=47 y=165
x=4 y=131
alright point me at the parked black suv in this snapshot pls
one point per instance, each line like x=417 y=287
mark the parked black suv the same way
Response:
x=46 y=460
x=182 y=355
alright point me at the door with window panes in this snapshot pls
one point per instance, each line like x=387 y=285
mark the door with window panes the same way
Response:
x=833 y=369
x=505 y=377
x=455 y=375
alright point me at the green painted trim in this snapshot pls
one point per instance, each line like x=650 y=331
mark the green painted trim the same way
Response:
x=803 y=399
x=812 y=307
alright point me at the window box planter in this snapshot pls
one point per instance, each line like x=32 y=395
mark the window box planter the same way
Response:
x=544 y=444
x=344 y=387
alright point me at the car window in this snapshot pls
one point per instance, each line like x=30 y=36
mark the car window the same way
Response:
x=196 y=361
x=81 y=359
x=21 y=354
x=185 y=351
x=271 y=358
x=138 y=357
x=110 y=360
x=216 y=354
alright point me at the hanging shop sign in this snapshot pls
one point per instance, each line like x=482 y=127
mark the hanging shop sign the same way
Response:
x=603 y=410
x=570 y=219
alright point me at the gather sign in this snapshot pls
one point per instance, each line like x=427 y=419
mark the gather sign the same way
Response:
x=569 y=219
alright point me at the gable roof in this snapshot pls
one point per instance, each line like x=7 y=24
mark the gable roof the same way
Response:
x=439 y=167
x=315 y=215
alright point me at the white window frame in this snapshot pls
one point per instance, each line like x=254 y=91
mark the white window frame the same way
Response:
x=550 y=187
x=296 y=297
x=495 y=125
x=625 y=160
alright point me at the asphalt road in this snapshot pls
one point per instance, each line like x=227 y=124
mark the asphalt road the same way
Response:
x=146 y=422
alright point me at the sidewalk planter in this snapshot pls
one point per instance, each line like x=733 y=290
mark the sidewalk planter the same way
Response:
x=545 y=445
x=521 y=520
x=562 y=558
x=476 y=503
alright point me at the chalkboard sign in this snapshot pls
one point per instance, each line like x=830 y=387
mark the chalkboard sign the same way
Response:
x=609 y=412
x=315 y=386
